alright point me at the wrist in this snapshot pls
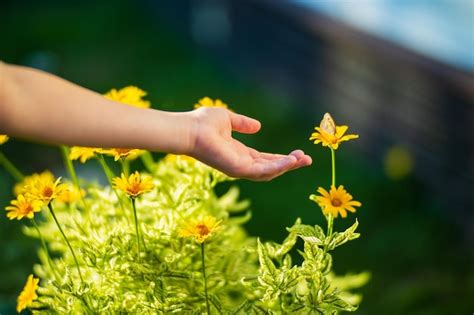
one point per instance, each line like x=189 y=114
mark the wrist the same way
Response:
x=190 y=126
x=182 y=140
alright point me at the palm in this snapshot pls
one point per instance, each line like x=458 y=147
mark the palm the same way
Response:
x=215 y=146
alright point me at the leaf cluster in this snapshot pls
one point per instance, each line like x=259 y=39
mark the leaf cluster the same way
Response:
x=244 y=274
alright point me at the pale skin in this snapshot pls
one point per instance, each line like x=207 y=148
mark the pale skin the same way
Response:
x=43 y=107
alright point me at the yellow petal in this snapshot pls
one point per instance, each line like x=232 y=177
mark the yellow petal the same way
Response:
x=341 y=130
x=323 y=191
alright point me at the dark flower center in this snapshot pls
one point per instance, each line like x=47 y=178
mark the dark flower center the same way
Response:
x=203 y=230
x=134 y=188
x=47 y=192
x=27 y=209
x=336 y=202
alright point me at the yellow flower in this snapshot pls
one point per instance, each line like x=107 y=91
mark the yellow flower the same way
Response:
x=82 y=153
x=130 y=95
x=28 y=295
x=134 y=185
x=71 y=194
x=336 y=201
x=181 y=157
x=200 y=229
x=45 y=189
x=3 y=139
x=119 y=153
x=208 y=102
x=23 y=186
x=23 y=207
x=328 y=134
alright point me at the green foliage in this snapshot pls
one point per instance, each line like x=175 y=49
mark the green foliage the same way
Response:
x=244 y=274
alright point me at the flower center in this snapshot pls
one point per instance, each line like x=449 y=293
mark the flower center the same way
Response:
x=26 y=209
x=336 y=202
x=203 y=230
x=134 y=188
x=47 y=192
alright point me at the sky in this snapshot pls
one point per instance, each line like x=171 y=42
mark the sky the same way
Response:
x=442 y=29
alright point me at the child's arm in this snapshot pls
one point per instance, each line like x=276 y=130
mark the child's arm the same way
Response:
x=40 y=106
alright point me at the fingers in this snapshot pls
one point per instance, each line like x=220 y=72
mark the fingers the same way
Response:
x=267 y=166
x=268 y=169
x=302 y=159
x=244 y=124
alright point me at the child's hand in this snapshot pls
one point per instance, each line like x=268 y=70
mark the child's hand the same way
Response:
x=211 y=142
x=36 y=105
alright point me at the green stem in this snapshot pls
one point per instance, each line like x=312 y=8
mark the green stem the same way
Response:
x=205 y=278
x=50 y=206
x=137 y=229
x=125 y=166
x=14 y=172
x=72 y=172
x=333 y=163
x=330 y=217
x=148 y=161
x=281 y=304
x=330 y=224
x=108 y=173
x=43 y=243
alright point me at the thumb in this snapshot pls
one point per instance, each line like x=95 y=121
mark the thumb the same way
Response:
x=244 y=124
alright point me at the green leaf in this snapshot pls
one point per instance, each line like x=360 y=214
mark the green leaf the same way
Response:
x=215 y=302
x=229 y=201
x=244 y=306
x=177 y=274
x=287 y=262
x=242 y=219
x=350 y=281
x=260 y=310
x=337 y=239
x=311 y=234
x=266 y=263
x=312 y=251
x=335 y=303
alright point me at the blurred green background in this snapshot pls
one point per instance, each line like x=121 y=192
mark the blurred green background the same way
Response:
x=419 y=258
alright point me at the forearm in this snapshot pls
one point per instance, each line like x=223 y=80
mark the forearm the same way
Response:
x=40 y=106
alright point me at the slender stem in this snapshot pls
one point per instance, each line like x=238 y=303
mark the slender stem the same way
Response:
x=330 y=217
x=110 y=175
x=205 y=278
x=148 y=161
x=333 y=163
x=43 y=243
x=50 y=206
x=330 y=224
x=14 y=172
x=125 y=166
x=72 y=172
x=137 y=230
x=108 y=172
x=281 y=304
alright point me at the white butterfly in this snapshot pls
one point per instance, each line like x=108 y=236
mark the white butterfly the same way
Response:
x=328 y=125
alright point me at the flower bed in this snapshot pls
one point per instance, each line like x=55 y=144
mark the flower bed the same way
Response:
x=162 y=241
